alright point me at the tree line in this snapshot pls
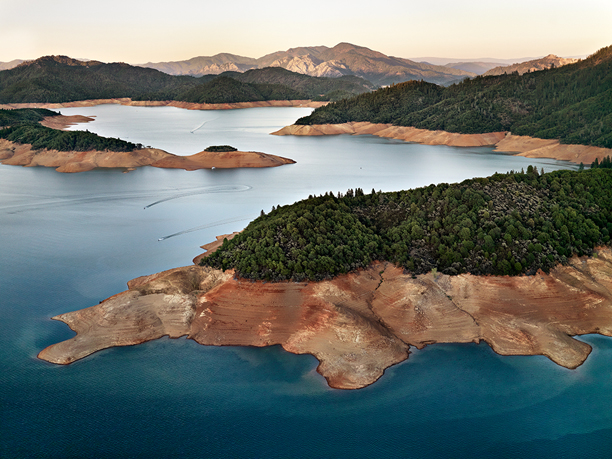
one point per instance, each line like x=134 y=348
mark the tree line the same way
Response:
x=22 y=126
x=506 y=224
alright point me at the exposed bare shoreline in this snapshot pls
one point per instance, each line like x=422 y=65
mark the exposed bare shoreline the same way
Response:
x=502 y=141
x=15 y=154
x=168 y=103
x=358 y=324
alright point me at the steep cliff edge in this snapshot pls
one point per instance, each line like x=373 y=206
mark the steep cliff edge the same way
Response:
x=357 y=324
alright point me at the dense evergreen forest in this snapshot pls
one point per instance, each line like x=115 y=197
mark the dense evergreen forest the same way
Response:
x=316 y=88
x=514 y=223
x=55 y=79
x=22 y=126
x=26 y=115
x=572 y=103
x=224 y=89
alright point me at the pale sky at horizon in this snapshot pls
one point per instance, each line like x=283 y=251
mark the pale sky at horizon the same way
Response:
x=138 y=32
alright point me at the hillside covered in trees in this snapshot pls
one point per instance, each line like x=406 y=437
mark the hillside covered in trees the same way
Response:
x=513 y=223
x=56 y=79
x=572 y=103
x=22 y=126
x=320 y=88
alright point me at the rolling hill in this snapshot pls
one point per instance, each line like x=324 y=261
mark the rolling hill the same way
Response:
x=54 y=79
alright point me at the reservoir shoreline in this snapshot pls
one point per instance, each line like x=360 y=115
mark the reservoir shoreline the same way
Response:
x=15 y=154
x=168 y=103
x=358 y=324
x=503 y=141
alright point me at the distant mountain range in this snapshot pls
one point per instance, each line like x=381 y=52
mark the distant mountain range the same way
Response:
x=321 y=61
x=531 y=66
x=485 y=60
x=347 y=59
x=475 y=67
x=53 y=79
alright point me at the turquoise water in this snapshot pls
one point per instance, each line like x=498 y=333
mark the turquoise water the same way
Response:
x=71 y=240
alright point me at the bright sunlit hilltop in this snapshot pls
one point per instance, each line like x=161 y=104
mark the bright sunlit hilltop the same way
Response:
x=127 y=31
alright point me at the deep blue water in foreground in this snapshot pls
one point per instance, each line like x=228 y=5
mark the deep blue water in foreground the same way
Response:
x=69 y=241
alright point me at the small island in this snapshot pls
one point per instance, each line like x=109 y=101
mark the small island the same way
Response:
x=36 y=137
x=520 y=261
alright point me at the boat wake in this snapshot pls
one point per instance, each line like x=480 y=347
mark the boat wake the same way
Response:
x=209 y=225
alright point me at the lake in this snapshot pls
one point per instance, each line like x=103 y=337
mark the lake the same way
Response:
x=71 y=240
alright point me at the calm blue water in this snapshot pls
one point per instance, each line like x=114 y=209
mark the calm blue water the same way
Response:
x=69 y=241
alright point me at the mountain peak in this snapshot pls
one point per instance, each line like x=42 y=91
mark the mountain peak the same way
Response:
x=343 y=59
x=344 y=47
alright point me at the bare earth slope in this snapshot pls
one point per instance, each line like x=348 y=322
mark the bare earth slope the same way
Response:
x=502 y=141
x=80 y=161
x=358 y=324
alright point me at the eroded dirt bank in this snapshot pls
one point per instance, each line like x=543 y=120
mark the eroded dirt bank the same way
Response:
x=169 y=103
x=15 y=154
x=502 y=141
x=62 y=122
x=359 y=324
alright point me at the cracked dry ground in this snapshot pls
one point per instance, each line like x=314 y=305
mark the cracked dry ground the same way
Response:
x=358 y=324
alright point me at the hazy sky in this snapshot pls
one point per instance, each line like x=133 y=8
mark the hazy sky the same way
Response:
x=141 y=31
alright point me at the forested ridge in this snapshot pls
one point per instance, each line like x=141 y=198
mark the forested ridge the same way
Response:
x=22 y=126
x=506 y=224
x=572 y=103
x=57 y=79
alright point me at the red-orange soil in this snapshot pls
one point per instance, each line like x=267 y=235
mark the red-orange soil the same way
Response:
x=358 y=324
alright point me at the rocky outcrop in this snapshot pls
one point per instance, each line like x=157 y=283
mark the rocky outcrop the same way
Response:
x=530 y=147
x=15 y=154
x=309 y=65
x=358 y=324
x=169 y=103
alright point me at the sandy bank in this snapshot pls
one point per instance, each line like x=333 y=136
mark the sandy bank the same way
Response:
x=62 y=122
x=15 y=154
x=212 y=246
x=169 y=103
x=502 y=141
x=359 y=324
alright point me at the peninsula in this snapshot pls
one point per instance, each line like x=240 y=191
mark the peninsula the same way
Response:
x=357 y=324
x=519 y=260
x=35 y=137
